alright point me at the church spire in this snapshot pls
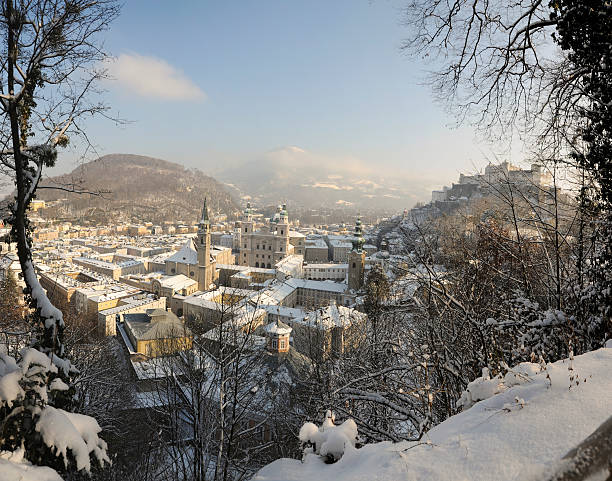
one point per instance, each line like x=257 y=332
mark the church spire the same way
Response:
x=204 y=219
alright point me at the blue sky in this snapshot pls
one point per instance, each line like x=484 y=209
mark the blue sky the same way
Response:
x=210 y=83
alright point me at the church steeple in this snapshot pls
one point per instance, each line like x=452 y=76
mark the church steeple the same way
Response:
x=356 y=258
x=203 y=247
x=358 y=240
x=204 y=219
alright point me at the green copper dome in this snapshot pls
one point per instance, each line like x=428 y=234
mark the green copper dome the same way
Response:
x=358 y=240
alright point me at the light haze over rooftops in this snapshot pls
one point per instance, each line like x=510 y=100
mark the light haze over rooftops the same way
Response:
x=325 y=81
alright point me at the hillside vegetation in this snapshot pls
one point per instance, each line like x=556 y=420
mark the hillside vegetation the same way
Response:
x=141 y=189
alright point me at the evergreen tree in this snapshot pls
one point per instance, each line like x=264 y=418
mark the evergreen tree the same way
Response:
x=584 y=31
x=51 y=54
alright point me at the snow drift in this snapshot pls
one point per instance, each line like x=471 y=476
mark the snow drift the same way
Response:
x=520 y=432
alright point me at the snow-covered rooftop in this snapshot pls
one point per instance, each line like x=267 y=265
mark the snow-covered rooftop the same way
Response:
x=279 y=328
x=187 y=254
x=177 y=282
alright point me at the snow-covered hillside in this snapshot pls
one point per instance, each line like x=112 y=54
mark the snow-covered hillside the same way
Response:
x=520 y=433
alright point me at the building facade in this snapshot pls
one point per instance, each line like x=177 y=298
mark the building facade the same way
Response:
x=265 y=247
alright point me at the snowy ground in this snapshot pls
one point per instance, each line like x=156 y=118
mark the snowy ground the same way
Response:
x=518 y=434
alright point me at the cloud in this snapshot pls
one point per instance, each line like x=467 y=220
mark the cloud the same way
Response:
x=329 y=185
x=369 y=183
x=340 y=164
x=153 y=77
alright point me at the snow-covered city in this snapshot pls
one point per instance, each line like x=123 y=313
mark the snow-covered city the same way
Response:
x=296 y=241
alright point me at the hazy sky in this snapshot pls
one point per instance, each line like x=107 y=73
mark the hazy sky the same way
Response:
x=206 y=83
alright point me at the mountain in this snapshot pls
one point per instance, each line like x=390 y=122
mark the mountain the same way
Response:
x=141 y=189
x=310 y=180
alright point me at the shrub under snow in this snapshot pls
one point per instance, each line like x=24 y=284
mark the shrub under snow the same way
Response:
x=29 y=387
x=485 y=387
x=330 y=440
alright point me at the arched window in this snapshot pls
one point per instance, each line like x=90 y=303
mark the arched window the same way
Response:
x=257 y=264
x=354 y=265
x=269 y=266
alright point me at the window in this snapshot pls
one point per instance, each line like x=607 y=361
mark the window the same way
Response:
x=282 y=344
x=245 y=229
x=173 y=270
x=245 y=246
x=257 y=255
x=192 y=273
x=354 y=265
x=269 y=248
x=257 y=264
x=258 y=246
x=282 y=232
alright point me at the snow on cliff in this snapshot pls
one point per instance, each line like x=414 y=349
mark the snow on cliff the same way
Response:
x=520 y=433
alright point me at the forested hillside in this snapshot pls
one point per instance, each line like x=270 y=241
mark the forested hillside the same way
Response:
x=140 y=189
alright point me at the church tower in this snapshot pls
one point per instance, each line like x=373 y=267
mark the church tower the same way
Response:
x=282 y=234
x=356 y=258
x=282 y=226
x=205 y=269
x=245 y=238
